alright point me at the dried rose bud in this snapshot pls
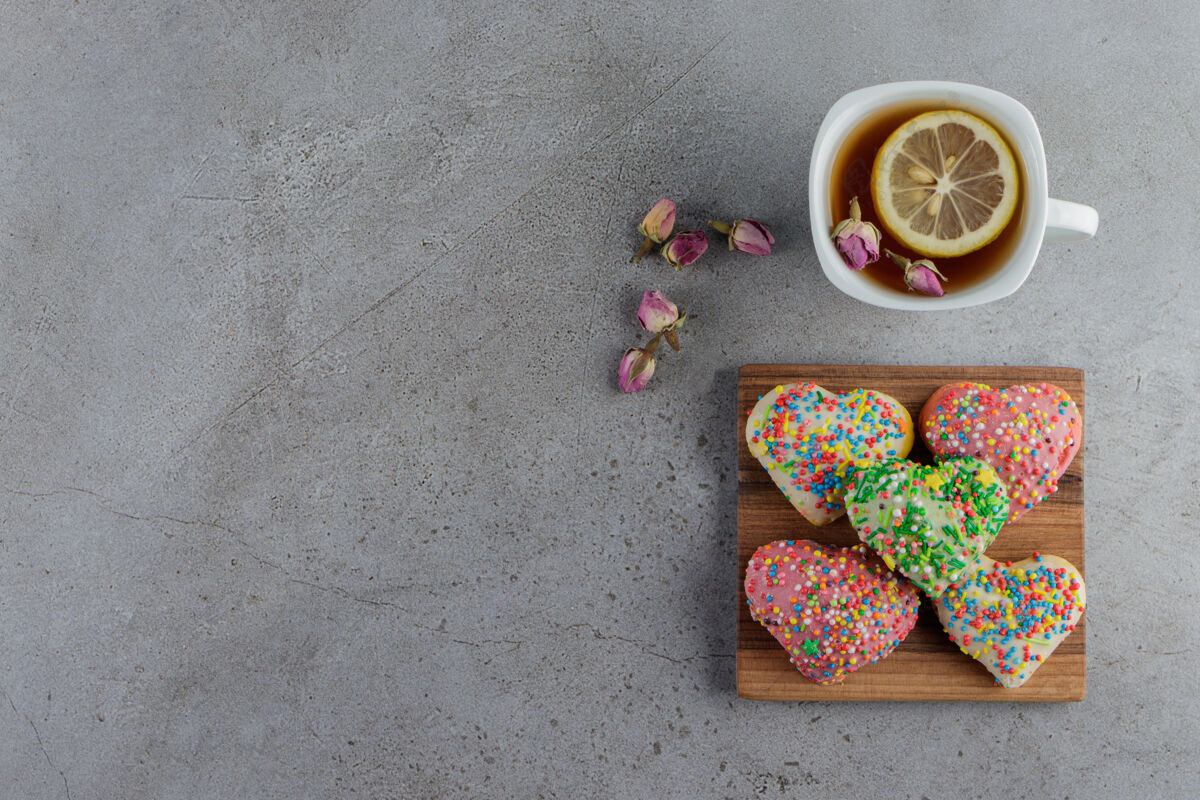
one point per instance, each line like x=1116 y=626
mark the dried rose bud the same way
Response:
x=685 y=248
x=656 y=227
x=658 y=314
x=920 y=275
x=747 y=235
x=635 y=370
x=923 y=276
x=856 y=240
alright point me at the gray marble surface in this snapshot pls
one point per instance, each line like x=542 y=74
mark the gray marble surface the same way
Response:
x=315 y=478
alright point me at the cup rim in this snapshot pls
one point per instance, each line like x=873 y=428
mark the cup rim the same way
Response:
x=1022 y=131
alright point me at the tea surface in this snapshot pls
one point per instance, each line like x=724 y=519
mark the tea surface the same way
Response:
x=851 y=177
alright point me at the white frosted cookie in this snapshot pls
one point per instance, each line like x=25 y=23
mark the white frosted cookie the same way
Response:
x=807 y=437
x=1011 y=617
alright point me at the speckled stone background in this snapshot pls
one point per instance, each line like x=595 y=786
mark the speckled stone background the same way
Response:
x=316 y=482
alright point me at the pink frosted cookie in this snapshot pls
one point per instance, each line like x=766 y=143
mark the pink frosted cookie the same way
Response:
x=1011 y=617
x=834 y=609
x=807 y=437
x=1028 y=433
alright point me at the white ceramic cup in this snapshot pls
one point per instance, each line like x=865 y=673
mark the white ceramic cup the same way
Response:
x=1041 y=219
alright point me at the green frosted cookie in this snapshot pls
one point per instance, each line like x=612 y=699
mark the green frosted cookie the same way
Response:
x=928 y=523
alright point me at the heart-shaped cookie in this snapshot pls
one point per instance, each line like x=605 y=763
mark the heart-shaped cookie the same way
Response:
x=927 y=522
x=1011 y=617
x=1029 y=433
x=807 y=437
x=834 y=609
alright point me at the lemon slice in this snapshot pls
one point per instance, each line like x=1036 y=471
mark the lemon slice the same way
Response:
x=945 y=183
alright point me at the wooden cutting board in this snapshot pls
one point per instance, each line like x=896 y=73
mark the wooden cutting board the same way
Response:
x=927 y=665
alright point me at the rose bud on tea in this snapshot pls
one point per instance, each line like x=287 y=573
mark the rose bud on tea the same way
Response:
x=856 y=239
x=685 y=248
x=920 y=275
x=747 y=235
x=656 y=227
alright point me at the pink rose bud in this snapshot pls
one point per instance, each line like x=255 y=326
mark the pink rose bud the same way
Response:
x=751 y=236
x=656 y=227
x=923 y=277
x=857 y=241
x=658 y=223
x=685 y=248
x=635 y=370
x=747 y=235
x=920 y=275
x=657 y=314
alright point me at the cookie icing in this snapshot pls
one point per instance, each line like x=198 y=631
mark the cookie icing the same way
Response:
x=1011 y=617
x=834 y=609
x=1029 y=433
x=807 y=437
x=927 y=522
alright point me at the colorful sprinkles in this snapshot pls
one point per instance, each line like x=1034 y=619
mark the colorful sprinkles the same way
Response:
x=807 y=438
x=928 y=522
x=834 y=609
x=1029 y=433
x=1011 y=617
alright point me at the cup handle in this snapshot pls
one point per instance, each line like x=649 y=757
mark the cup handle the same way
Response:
x=1069 y=222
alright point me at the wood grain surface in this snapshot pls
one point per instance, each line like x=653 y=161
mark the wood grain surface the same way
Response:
x=927 y=665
